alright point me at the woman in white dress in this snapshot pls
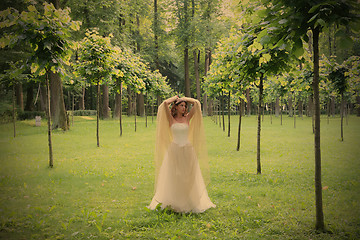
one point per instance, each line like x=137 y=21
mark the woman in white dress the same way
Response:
x=182 y=171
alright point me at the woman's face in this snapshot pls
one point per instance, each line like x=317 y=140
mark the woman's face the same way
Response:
x=181 y=108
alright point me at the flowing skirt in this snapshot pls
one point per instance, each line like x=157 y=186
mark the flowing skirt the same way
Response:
x=180 y=185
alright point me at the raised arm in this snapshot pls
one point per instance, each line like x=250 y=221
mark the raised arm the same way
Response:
x=168 y=113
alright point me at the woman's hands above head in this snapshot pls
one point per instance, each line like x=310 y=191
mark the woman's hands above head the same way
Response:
x=187 y=99
x=172 y=99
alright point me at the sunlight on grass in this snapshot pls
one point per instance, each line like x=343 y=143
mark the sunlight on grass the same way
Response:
x=102 y=192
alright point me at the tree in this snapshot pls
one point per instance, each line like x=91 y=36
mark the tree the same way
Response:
x=96 y=64
x=290 y=22
x=12 y=77
x=48 y=35
x=339 y=80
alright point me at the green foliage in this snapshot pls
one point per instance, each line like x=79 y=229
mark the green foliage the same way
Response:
x=96 y=60
x=46 y=32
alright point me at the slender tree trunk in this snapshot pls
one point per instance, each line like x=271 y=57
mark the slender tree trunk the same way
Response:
x=187 y=77
x=146 y=115
x=261 y=89
x=219 y=112
x=239 y=129
x=318 y=186
x=13 y=109
x=206 y=69
x=105 y=101
x=271 y=112
x=196 y=69
x=129 y=110
x=281 y=115
x=294 y=111
x=223 y=110
x=358 y=104
x=156 y=34
x=328 y=110
x=277 y=107
x=229 y=112
x=117 y=104
x=135 y=110
x=120 y=105
x=82 y=99
x=248 y=101
x=342 y=110
x=48 y=113
x=300 y=108
x=290 y=102
x=73 y=109
x=98 y=114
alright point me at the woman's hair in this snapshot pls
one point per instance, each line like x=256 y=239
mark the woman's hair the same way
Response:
x=176 y=103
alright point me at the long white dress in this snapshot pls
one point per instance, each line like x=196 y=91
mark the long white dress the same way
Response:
x=180 y=185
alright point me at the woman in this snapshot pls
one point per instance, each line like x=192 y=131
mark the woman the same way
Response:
x=182 y=171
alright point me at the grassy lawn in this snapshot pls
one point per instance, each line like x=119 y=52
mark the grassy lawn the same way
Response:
x=101 y=193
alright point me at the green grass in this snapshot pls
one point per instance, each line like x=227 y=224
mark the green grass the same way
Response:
x=101 y=193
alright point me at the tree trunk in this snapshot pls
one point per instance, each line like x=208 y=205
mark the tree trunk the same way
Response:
x=105 y=101
x=310 y=106
x=358 y=104
x=277 y=107
x=294 y=111
x=290 y=103
x=206 y=109
x=140 y=104
x=187 y=77
x=229 y=112
x=13 y=108
x=318 y=185
x=120 y=105
x=156 y=34
x=58 y=112
x=97 y=114
x=342 y=110
x=82 y=99
x=219 y=112
x=29 y=106
x=239 y=129
x=129 y=110
x=300 y=108
x=145 y=104
x=223 y=110
x=117 y=105
x=248 y=104
x=135 y=110
x=196 y=69
x=19 y=96
x=48 y=113
x=261 y=89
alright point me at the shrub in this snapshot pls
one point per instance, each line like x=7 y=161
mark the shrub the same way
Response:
x=5 y=112
x=84 y=113
x=23 y=115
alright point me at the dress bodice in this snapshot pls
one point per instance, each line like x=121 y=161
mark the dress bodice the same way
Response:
x=180 y=133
